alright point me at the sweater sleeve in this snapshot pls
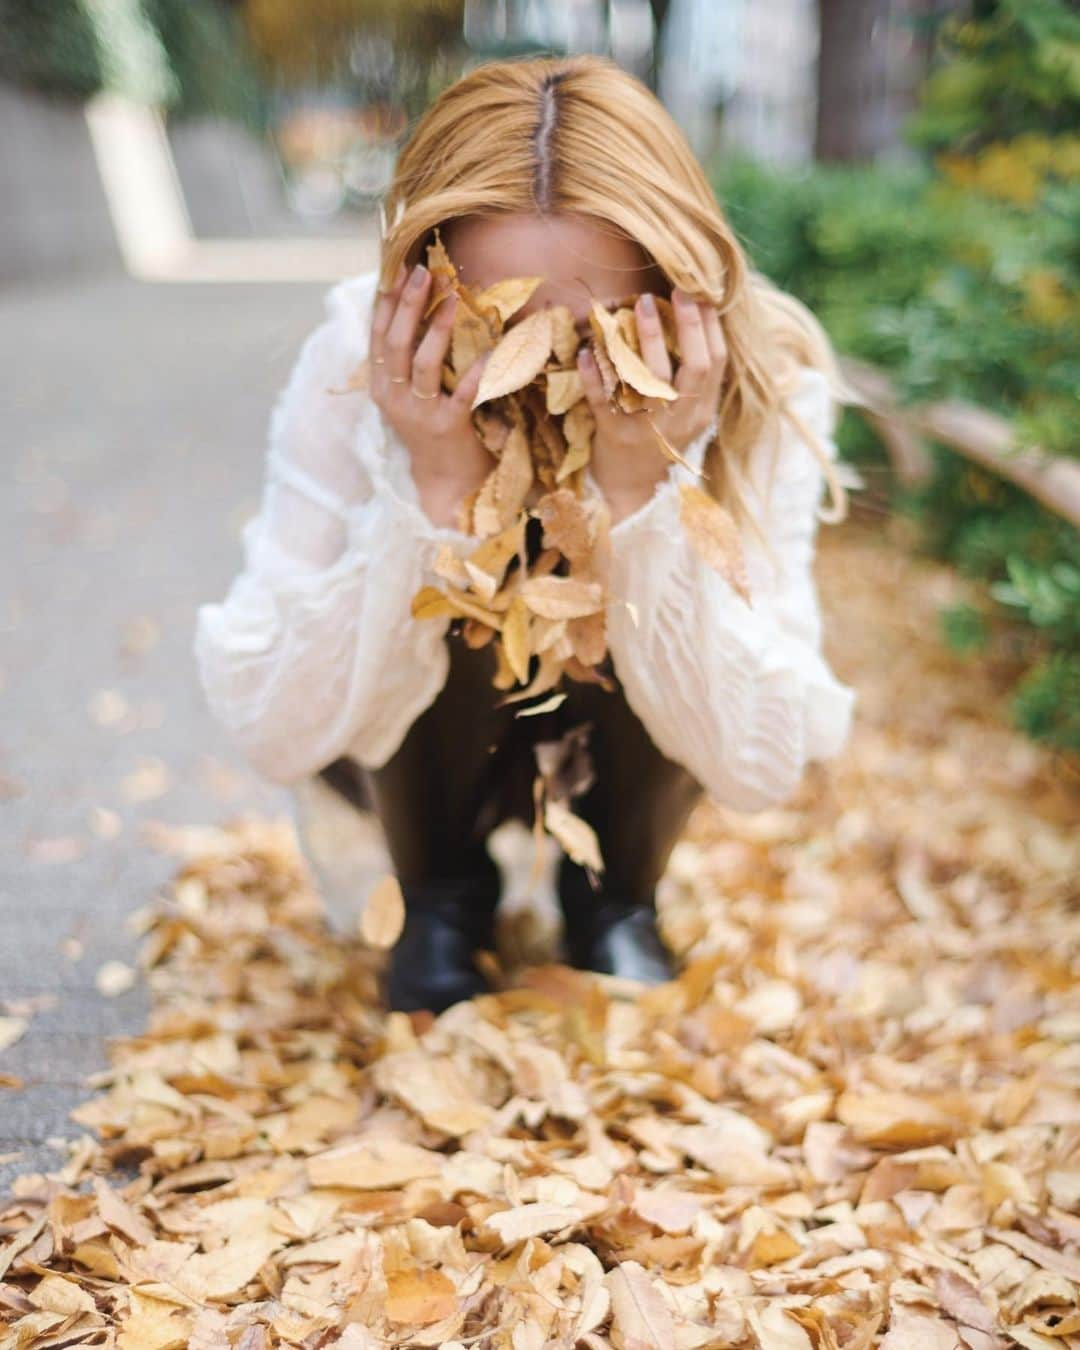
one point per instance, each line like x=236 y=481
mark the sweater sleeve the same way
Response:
x=314 y=652
x=741 y=696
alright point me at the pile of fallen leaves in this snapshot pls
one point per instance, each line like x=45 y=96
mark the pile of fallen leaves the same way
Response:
x=853 y=1120
x=545 y=616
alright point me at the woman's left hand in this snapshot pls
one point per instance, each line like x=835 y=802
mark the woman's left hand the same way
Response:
x=627 y=461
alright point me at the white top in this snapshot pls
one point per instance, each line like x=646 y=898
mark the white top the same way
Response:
x=314 y=652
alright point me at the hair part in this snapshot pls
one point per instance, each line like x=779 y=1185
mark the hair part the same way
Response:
x=577 y=134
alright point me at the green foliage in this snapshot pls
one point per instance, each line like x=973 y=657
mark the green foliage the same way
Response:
x=960 y=275
x=213 y=66
x=1046 y=703
x=1016 y=69
x=188 y=55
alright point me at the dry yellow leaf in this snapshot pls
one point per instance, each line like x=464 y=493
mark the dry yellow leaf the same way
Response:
x=895 y=1118
x=431 y=603
x=418 y=1296
x=373 y=1164
x=470 y=337
x=576 y=836
x=715 y=536
x=55 y=1294
x=153 y=1325
x=383 y=916
x=434 y=1089
x=518 y=357
x=507 y=297
x=562 y=597
x=515 y=639
x=531 y=1220
x=563 y=388
x=513 y=478
x=567 y=524
x=775 y=1330
x=628 y=365
x=564 y=335
x=640 y=1314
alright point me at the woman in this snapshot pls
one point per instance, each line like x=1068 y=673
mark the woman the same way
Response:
x=569 y=169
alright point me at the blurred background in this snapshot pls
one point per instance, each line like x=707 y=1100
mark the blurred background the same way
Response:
x=180 y=181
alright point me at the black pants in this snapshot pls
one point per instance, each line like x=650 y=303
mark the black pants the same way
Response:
x=466 y=765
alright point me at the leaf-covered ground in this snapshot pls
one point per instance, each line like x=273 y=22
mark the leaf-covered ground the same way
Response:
x=853 y=1121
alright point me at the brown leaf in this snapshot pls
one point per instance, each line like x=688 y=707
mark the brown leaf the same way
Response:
x=564 y=388
x=567 y=524
x=508 y=296
x=383 y=916
x=640 y=1315
x=576 y=836
x=372 y=1164
x=518 y=358
x=715 y=537
x=626 y=362
x=515 y=637
x=562 y=597
x=419 y=1296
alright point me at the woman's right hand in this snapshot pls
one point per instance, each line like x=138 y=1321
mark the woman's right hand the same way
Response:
x=449 y=461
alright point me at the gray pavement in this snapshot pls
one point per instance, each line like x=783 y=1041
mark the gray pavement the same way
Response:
x=132 y=432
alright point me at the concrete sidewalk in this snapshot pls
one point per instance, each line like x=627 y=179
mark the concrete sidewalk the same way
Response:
x=133 y=424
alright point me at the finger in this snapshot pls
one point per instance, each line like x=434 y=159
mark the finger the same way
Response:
x=384 y=312
x=465 y=390
x=594 y=386
x=692 y=343
x=402 y=330
x=714 y=336
x=654 y=351
x=428 y=362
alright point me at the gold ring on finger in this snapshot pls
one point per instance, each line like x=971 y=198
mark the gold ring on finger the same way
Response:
x=399 y=379
x=378 y=360
x=425 y=396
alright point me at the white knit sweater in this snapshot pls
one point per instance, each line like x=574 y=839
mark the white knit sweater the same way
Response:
x=314 y=653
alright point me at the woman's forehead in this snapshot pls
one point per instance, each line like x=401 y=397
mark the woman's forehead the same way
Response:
x=568 y=251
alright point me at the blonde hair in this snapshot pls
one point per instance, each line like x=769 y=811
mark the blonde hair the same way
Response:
x=545 y=135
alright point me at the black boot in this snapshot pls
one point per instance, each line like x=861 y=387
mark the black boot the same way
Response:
x=610 y=934
x=432 y=965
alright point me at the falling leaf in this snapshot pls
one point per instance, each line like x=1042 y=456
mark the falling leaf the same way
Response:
x=577 y=836
x=715 y=536
x=383 y=916
x=114 y=978
x=548 y=705
x=11 y=1030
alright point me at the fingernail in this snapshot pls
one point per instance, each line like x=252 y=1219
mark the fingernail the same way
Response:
x=648 y=305
x=417 y=278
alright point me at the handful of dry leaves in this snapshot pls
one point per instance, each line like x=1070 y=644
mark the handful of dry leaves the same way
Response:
x=545 y=614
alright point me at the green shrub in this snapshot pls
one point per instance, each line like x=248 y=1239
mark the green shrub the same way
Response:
x=959 y=275
x=188 y=55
